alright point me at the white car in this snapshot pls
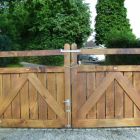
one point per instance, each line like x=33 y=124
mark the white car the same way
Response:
x=92 y=58
x=100 y=58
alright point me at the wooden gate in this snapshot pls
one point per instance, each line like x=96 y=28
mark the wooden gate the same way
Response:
x=35 y=97
x=105 y=96
x=101 y=96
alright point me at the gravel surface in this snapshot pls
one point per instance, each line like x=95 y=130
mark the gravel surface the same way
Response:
x=71 y=134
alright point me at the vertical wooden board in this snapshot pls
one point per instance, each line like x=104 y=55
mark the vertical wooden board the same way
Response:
x=33 y=102
x=90 y=90
x=110 y=101
x=24 y=98
x=6 y=88
x=101 y=102
x=51 y=85
x=81 y=89
x=60 y=89
x=42 y=104
x=16 y=101
x=119 y=101
x=136 y=82
x=128 y=106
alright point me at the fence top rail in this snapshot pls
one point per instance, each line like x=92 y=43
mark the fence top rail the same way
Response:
x=30 y=53
x=112 y=51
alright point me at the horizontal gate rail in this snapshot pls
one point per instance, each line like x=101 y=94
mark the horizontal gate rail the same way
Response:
x=94 y=68
x=113 y=51
x=30 y=53
x=31 y=70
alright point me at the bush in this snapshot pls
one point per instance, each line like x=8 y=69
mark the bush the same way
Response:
x=118 y=39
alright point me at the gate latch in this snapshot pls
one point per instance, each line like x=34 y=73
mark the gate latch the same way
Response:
x=69 y=51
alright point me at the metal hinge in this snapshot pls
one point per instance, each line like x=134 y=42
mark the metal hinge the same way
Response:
x=70 y=51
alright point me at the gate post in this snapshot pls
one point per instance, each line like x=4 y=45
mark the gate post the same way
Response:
x=74 y=66
x=67 y=67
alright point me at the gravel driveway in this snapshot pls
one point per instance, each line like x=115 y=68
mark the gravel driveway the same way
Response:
x=70 y=134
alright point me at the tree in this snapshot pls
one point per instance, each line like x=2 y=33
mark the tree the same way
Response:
x=111 y=18
x=49 y=24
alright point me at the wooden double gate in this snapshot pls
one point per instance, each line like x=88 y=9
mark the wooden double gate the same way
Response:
x=77 y=96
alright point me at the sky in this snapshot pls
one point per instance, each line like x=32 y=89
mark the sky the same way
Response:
x=133 y=14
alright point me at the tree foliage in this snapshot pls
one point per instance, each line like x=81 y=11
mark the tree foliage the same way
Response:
x=46 y=24
x=111 y=16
